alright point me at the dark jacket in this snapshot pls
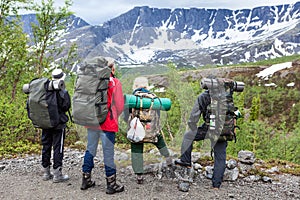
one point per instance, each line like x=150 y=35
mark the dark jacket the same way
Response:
x=200 y=107
x=64 y=104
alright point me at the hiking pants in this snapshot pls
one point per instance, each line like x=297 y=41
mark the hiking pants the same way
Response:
x=53 y=138
x=219 y=163
x=219 y=155
x=137 y=150
x=108 y=142
x=187 y=146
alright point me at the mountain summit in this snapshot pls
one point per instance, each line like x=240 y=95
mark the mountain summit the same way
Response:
x=191 y=37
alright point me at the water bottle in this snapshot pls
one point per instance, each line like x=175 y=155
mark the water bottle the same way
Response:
x=212 y=122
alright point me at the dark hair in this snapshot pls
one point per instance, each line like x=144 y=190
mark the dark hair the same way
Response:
x=111 y=65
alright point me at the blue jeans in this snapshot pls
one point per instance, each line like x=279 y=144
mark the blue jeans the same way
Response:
x=108 y=142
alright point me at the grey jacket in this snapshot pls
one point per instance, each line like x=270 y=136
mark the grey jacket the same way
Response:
x=200 y=107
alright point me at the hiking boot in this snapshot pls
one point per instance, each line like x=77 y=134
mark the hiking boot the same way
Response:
x=58 y=176
x=87 y=181
x=184 y=164
x=169 y=161
x=112 y=186
x=47 y=174
x=139 y=179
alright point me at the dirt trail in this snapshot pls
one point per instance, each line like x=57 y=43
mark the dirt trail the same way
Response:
x=21 y=179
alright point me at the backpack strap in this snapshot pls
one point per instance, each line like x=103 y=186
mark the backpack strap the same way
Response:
x=141 y=104
x=69 y=113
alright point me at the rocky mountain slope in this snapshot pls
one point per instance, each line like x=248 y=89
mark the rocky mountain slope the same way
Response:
x=188 y=37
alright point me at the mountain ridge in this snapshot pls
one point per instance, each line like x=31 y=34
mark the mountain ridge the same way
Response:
x=191 y=36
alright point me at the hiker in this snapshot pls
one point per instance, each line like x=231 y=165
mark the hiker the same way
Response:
x=141 y=86
x=54 y=137
x=202 y=105
x=106 y=131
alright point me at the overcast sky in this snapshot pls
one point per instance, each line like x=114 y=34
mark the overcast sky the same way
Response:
x=98 y=11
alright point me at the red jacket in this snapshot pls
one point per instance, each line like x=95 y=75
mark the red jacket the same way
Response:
x=115 y=106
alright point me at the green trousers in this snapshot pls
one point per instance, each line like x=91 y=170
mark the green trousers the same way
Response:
x=137 y=150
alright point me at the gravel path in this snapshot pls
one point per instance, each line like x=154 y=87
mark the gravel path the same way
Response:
x=21 y=179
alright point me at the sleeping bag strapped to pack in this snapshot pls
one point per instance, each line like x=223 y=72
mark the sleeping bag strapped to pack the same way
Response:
x=135 y=101
x=42 y=104
x=90 y=94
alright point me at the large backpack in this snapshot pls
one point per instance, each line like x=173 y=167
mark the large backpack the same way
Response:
x=42 y=106
x=221 y=111
x=149 y=118
x=90 y=94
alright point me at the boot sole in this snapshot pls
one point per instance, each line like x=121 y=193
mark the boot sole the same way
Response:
x=89 y=186
x=113 y=192
x=47 y=178
x=60 y=181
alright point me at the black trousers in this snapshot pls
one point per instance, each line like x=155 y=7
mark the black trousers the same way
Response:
x=53 y=138
x=219 y=149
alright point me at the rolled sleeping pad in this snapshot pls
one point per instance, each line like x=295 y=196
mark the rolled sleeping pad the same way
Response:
x=132 y=101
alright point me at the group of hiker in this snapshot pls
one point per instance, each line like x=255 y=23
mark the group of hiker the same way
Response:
x=143 y=123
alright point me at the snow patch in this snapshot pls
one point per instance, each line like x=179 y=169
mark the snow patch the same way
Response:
x=142 y=56
x=268 y=72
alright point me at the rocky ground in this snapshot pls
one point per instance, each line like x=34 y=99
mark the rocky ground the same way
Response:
x=21 y=179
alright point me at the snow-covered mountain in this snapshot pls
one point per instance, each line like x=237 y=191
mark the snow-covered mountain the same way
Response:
x=191 y=37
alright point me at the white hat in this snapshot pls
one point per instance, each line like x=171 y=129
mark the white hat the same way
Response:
x=58 y=74
x=140 y=82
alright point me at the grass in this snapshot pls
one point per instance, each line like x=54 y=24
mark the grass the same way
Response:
x=272 y=61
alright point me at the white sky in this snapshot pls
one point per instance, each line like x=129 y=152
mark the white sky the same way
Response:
x=98 y=11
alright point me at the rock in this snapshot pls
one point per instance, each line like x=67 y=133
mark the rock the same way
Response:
x=184 y=186
x=197 y=166
x=2 y=167
x=152 y=168
x=121 y=157
x=246 y=157
x=231 y=164
x=266 y=179
x=231 y=174
x=273 y=170
x=252 y=178
x=196 y=156
x=245 y=168
x=209 y=172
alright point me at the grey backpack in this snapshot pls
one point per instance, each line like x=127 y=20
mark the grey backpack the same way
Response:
x=42 y=107
x=90 y=94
